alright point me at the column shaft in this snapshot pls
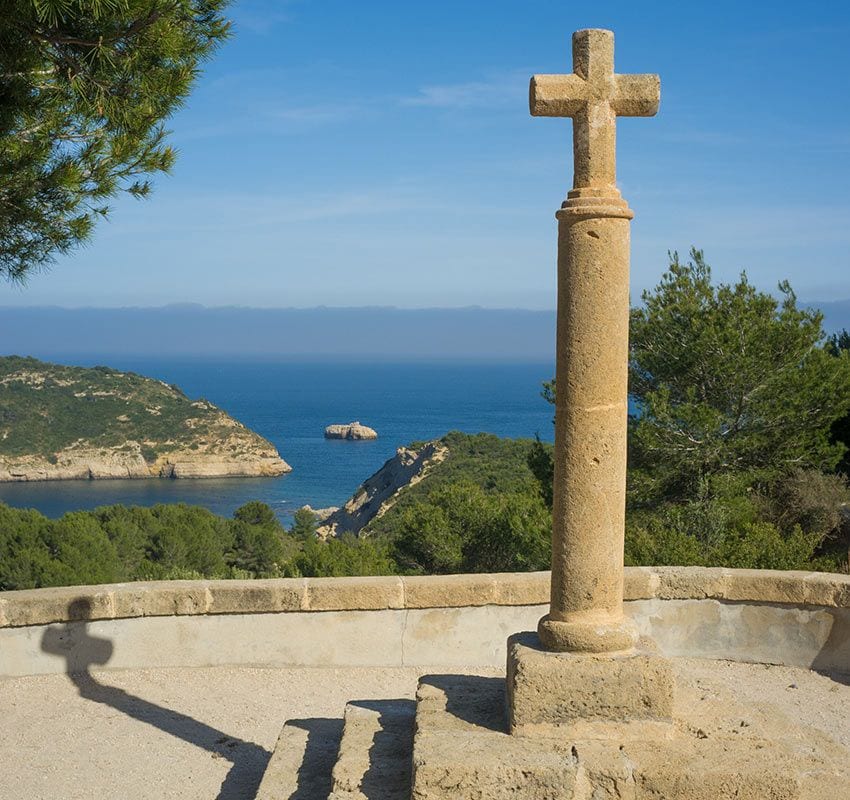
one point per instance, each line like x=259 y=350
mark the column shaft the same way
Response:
x=586 y=612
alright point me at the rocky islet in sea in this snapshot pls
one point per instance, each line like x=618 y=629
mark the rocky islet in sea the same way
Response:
x=351 y=431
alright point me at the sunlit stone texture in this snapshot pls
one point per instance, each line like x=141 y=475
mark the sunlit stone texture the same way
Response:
x=586 y=613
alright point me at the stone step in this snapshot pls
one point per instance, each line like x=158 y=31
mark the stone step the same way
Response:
x=462 y=751
x=303 y=758
x=375 y=751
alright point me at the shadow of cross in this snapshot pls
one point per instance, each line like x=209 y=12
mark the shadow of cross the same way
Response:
x=81 y=651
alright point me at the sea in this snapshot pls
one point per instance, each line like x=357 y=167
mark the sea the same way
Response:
x=290 y=403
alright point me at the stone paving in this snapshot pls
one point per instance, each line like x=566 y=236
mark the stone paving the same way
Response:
x=208 y=733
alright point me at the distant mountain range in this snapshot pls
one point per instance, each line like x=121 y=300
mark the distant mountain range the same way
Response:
x=348 y=333
x=364 y=333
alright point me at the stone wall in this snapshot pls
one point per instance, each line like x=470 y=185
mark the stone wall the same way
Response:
x=798 y=618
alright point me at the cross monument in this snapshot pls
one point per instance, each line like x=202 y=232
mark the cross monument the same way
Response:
x=586 y=613
x=586 y=674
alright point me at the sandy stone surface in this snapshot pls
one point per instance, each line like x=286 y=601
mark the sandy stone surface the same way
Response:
x=208 y=733
x=166 y=733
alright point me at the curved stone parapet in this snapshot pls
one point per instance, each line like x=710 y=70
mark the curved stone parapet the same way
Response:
x=274 y=596
x=794 y=618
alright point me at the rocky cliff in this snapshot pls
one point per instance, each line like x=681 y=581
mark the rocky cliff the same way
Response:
x=379 y=493
x=63 y=423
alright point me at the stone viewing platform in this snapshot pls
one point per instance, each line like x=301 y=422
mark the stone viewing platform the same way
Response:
x=215 y=732
x=351 y=431
x=202 y=674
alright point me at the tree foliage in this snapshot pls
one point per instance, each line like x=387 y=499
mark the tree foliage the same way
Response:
x=345 y=556
x=304 y=524
x=170 y=542
x=755 y=545
x=728 y=381
x=462 y=528
x=740 y=416
x=837 y=344
x=87 y=87
x=542 y=466
x=120 y=543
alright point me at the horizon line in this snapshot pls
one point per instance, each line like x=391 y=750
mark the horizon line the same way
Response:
x=235 y=307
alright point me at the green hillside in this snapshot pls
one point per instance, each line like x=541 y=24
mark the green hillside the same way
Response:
x=51 y=414
x=495 y=465
x=47 y=407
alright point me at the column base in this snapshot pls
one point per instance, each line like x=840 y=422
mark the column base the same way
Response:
x=587 y=637
x=625 y=696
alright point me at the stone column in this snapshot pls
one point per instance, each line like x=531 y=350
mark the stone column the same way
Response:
x=586 y=613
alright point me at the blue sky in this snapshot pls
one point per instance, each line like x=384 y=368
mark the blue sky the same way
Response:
x=381 y=153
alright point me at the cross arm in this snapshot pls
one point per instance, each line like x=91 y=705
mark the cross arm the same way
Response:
x=557 y=95
x=636 y=95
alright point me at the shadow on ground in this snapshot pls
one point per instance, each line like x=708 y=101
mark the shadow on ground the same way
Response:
x=388 y=776
x=474 y=699
x=833 y=660
x=313 y=780
x=81 y=651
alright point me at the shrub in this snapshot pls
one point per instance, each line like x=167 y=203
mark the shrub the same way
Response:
x=713 y=536
x=119 y=543
x=808 y=499
x=462 y=528
x=345 y=556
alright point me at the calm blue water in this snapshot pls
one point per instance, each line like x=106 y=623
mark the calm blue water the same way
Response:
x=291 y=403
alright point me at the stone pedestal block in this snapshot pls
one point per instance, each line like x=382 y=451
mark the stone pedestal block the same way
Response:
x=461 y=751
x=586 y=696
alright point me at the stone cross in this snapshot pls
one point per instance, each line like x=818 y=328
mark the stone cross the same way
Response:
x=586 y=609
x=594 y=95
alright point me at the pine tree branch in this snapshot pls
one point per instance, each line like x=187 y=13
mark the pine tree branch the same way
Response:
x=58 y=39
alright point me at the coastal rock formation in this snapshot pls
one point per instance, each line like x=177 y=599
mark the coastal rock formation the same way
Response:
x=379 y=493
x=72 y=423
x=321 y=514
x=353 y=430
x=85 y=463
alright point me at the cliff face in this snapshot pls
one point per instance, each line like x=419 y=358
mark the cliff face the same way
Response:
x=84 y=463
x=64 y=423
x=378 y=494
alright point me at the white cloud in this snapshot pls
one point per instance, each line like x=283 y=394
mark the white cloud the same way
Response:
x=501 y=90
x=313 y=115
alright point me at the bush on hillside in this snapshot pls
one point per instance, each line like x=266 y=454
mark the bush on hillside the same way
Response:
x=497 y=465
x=343 y=557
